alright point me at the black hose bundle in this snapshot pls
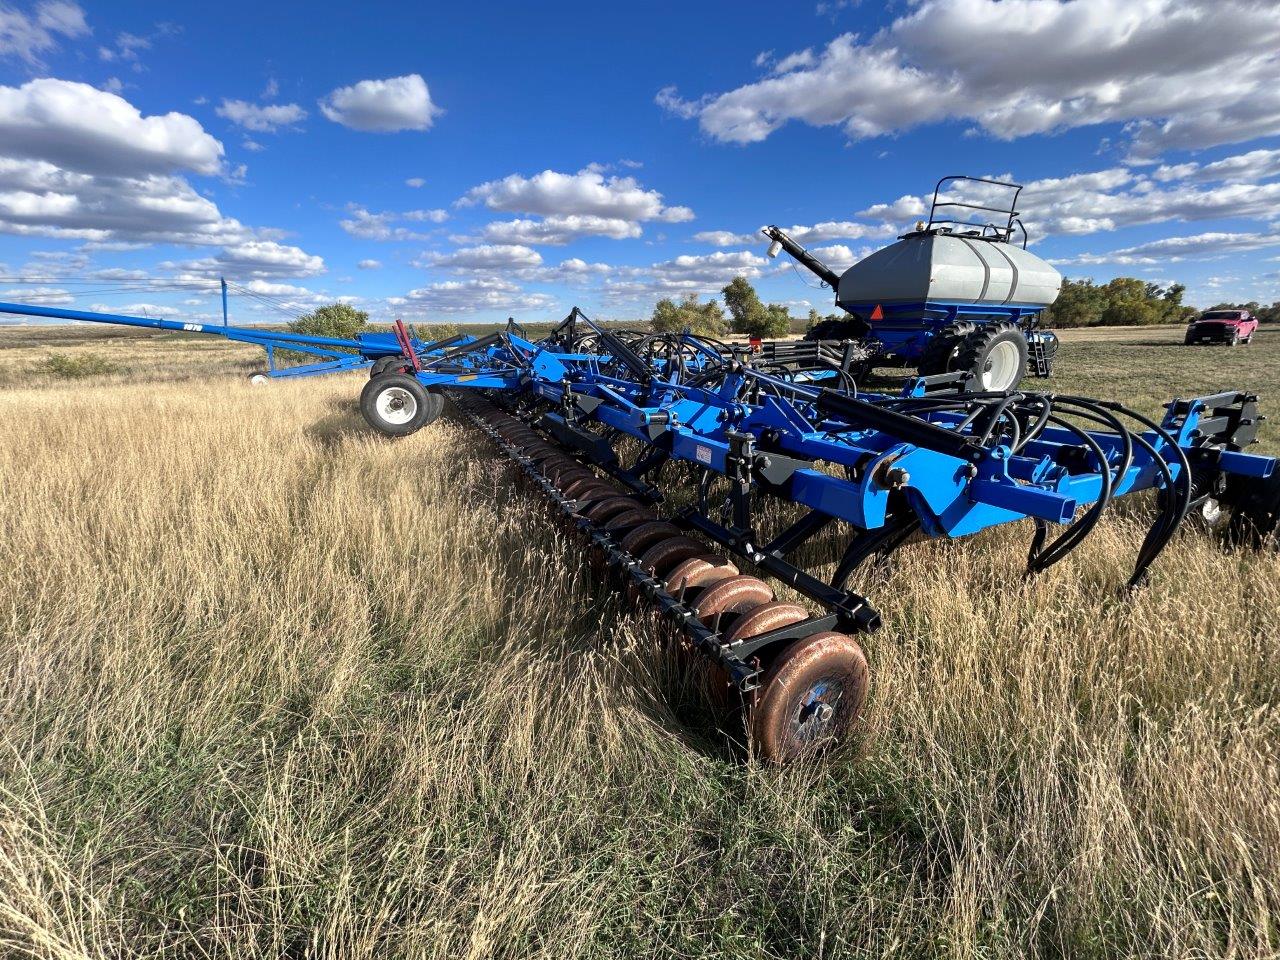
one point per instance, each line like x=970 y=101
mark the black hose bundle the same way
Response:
x=1017 y=419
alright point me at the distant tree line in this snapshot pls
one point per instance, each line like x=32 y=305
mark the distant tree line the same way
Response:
x=1122 y=302
x=748 y=315
x=1127 y=301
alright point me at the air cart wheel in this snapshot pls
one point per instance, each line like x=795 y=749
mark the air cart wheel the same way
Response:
x=996 y=353
x=833 y=330
x=810 y=697
x=940 y=352
x=397 y=405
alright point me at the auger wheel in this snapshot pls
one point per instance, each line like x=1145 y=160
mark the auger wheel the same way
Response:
x=810 y=691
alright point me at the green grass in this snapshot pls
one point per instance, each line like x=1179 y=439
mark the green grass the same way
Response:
x=64 y=366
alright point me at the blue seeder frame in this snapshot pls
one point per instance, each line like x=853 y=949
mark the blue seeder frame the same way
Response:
x=931 y=460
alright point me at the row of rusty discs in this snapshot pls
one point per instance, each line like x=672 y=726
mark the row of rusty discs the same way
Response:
x=812 y=691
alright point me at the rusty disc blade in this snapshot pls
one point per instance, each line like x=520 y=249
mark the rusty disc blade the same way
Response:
x=646 y=535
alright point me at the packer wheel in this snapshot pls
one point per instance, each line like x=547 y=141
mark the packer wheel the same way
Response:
x=811 y=697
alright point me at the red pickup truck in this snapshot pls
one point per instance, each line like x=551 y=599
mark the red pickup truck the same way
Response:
x=1222 y=326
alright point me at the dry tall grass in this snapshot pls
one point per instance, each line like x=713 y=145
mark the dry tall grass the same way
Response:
x=272 y=687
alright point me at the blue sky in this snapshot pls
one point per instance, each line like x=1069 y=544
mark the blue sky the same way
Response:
x=458 y=162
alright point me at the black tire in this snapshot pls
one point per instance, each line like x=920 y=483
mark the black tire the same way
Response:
x=833 y=330
x=397 y=405
x=1234 y=341
x=1189 y=342
x=943 y=348
x=994 y=350
x=385 y=365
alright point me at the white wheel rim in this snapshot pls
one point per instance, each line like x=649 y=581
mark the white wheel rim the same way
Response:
x=397 y=405
x=258 y=379
x=1001 y=367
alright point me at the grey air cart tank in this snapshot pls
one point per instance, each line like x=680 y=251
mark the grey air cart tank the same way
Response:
x=952 y=298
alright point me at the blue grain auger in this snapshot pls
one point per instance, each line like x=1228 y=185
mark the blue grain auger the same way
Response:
x=950 y=296
x=694 y=470
x=373 y=351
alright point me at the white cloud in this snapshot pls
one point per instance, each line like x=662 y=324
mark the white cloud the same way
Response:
x=426 y=216
x=126 y=49
x=485 y=257
x=586 y=193
x=261 y=118
x=573 y=270
x=838 y=256
x=38 y=198
x=152 y=310
x=255 y=259
x=725 y=238
x=1181 y=73
x=44 y=296
x=1243 y=167
x=415 y=182
x=1119 y=197
x=560 y=229
x=711 y=267
x=904 y=208
x=704 y=274
x=378 y=226
x=369 y=264
x=817 y=233
x=1200 y=246
x=79 y=127
x=382 y=106
x=475 y=295
x=27 y=35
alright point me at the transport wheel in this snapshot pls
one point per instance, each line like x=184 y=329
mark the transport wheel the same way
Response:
x=397 y=405
x=259 y=379
x=385 y=365
x=996 y=353
x=810 y=697
x=943 y=347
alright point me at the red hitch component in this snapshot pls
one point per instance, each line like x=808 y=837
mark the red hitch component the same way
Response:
x=406 y=345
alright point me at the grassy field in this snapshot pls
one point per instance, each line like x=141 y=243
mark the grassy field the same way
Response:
x=270 y=686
